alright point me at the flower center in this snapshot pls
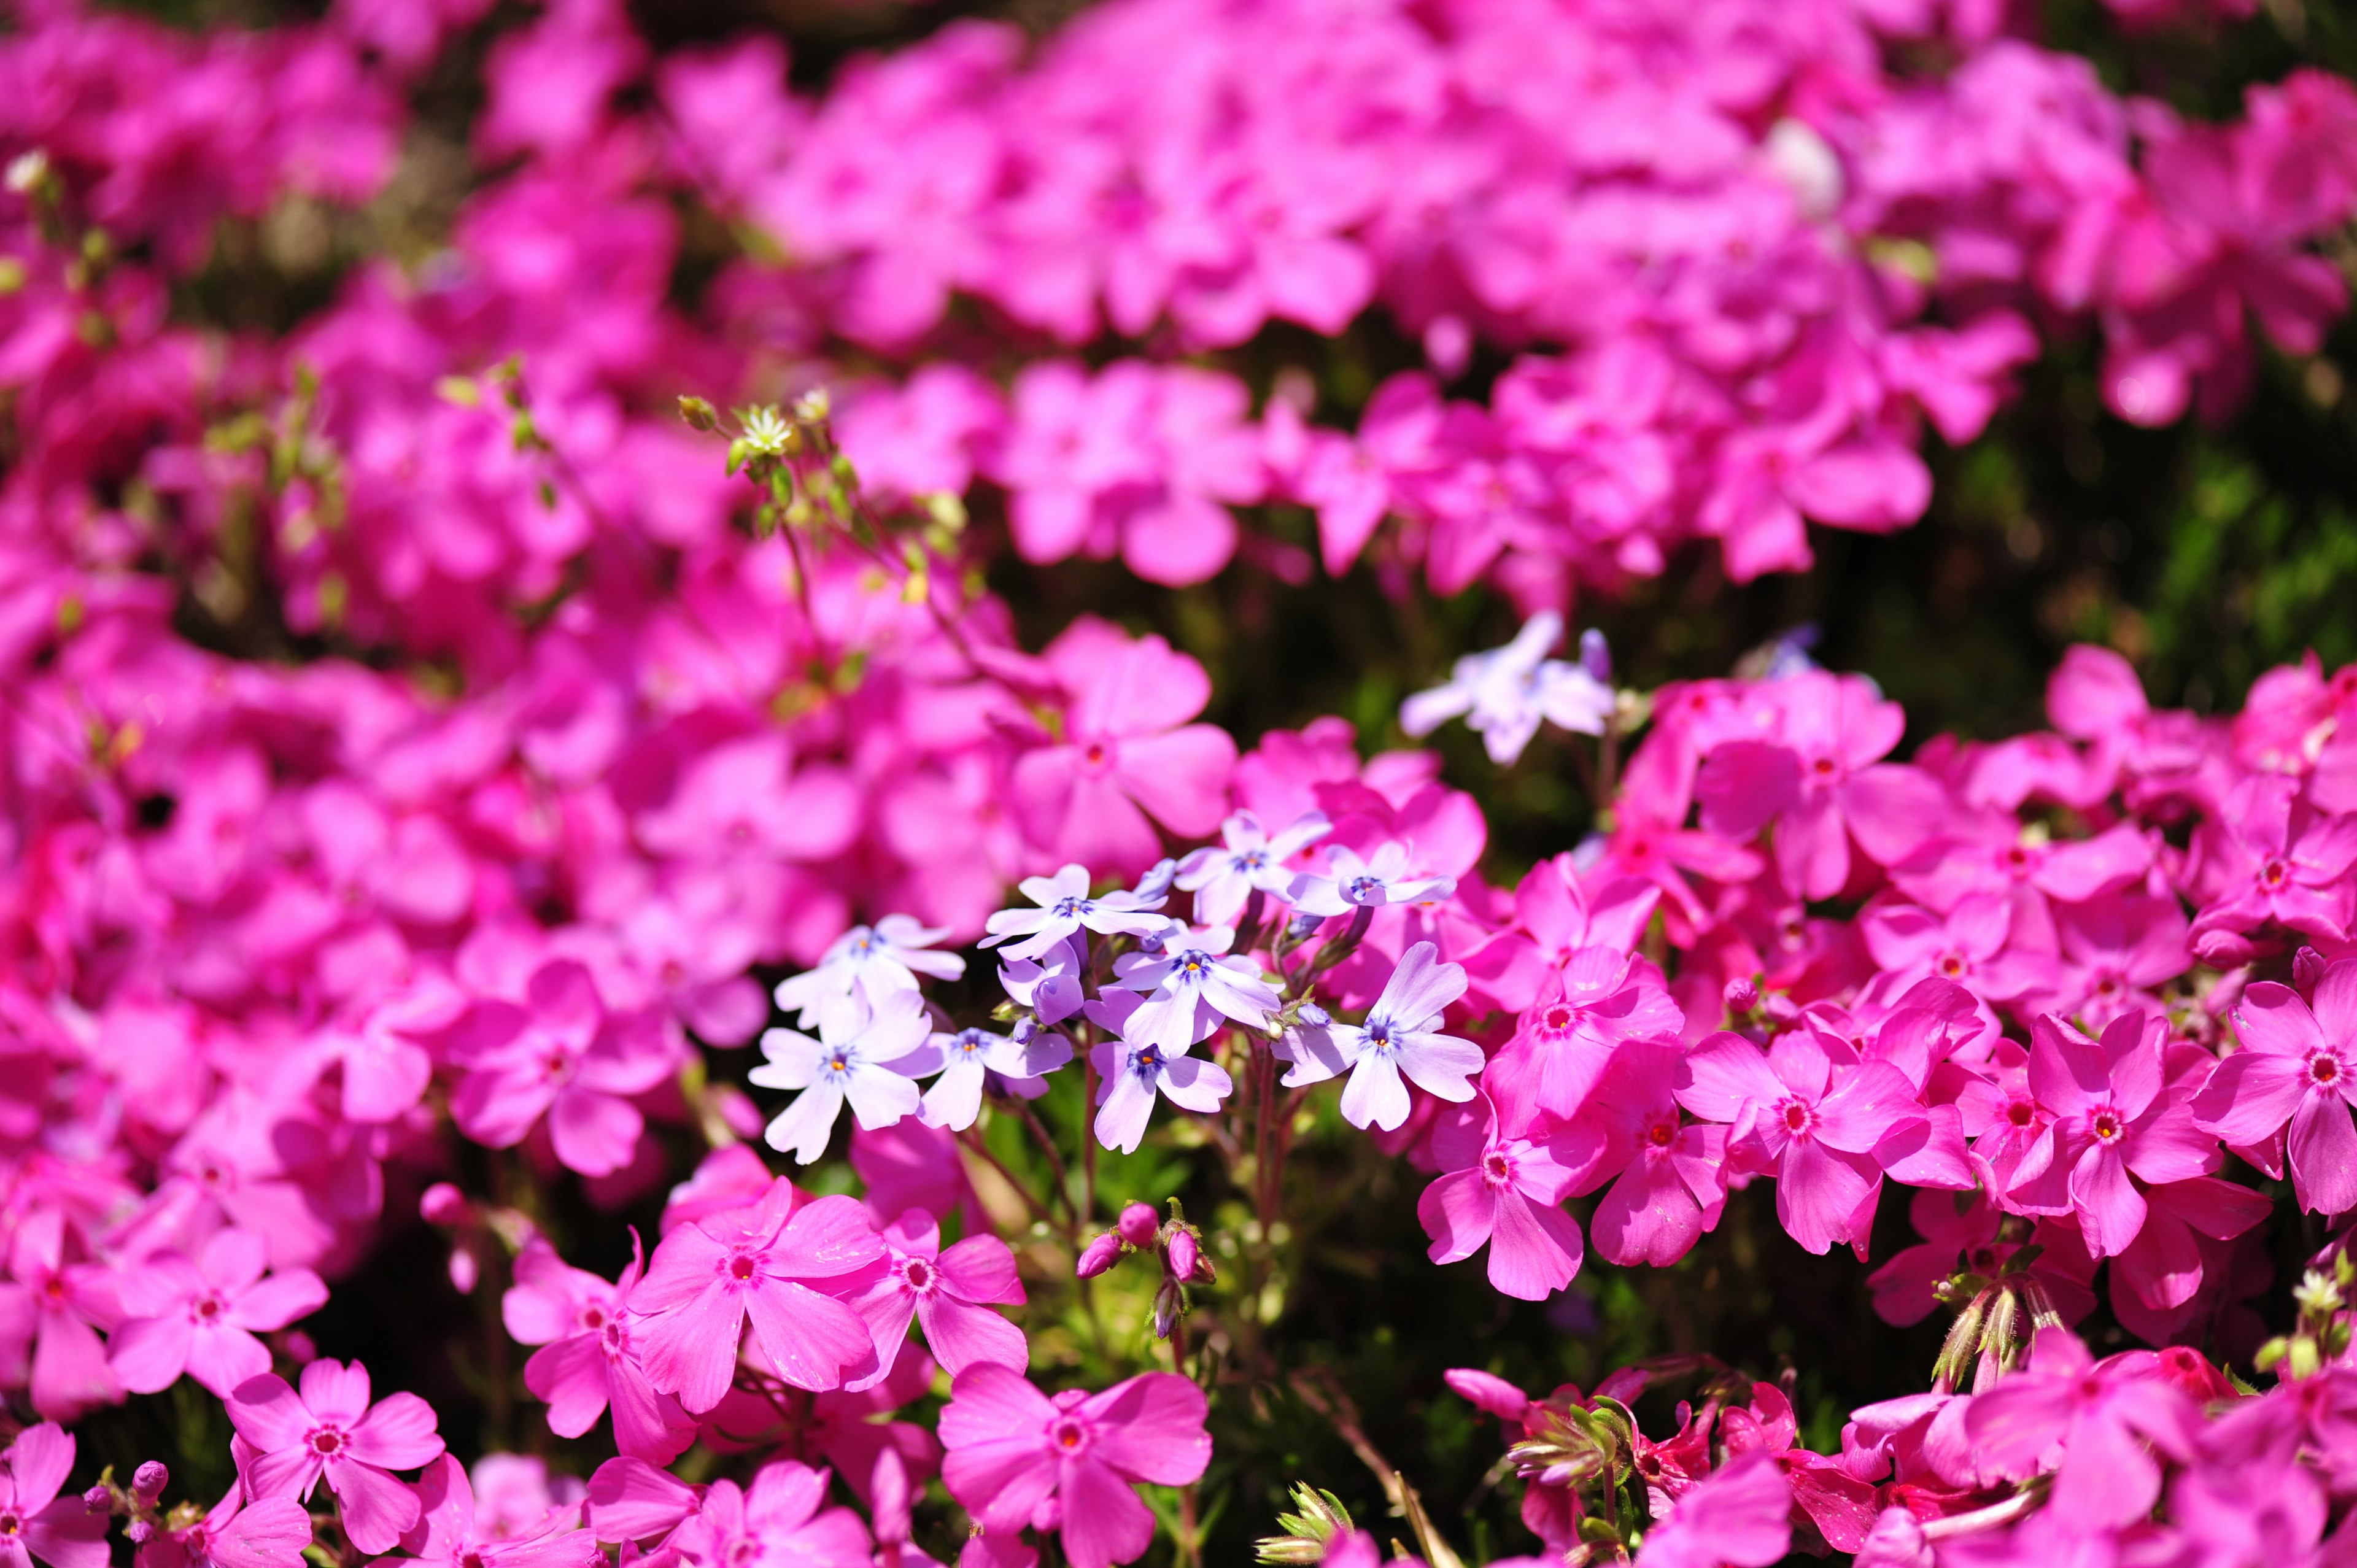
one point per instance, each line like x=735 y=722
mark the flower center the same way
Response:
x=326 y=1441
x=1661 y=1134
x=2324 y=1069
x=1497 y=1168
x=1824 y=766
x=1146 y=1061
x=1362 y=888
x=2109 y=1127
x=593 y=1318
x=919 y=1274
x=208 y=1307
x=740 y=1266
x=1952 y=964
x=1070 y=1435
x=2020 y=1112
x=2273 y=873
x=1797 y=1117
x=1559 y=1018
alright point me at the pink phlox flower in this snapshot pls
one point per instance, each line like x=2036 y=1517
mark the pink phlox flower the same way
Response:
x=1127 y=758
x=1555 y=917
x=950 y=1290
x=564 y=1056
x=590 y=1356
x=782 y=1516
x=234 y=1534
x=288 y=1442
x=36 y=1524
x=1969 y=946
x=723 y=1181
x=2001 y=1114
x=782 y=1264
x=1839 y=1504
x=875 y=960
x=2271 y=857
x=748 y=795
x=1350 y=883
x=1820 y=779
x=200 y=1316
x=911 y=1165
x=869 y=1053
x=1248 y=859
x=1065 y=910
x=1188 y=984
x=1997 y=857
x=2095 y=1424
x=2117 y=948
x=971 y=1057
x=1668 y=1177
x=1399 y=1036
x=1131 y=1073
x=448 y=1531
x=515 y=1496
x=1813 y=1120
x=385 y=1053
x=1505 y=693
x=1739 y=1518
x=1599 y=997
x=58 y=1305
x=2111 y=1119
x=839 y=1427
x=1503 y=1191
x=1015 y=1453
x=1960 y=1232
x=2296 y=1074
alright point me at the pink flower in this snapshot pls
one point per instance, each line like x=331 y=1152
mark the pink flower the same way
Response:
x=590 y=1357
x=2297 y=1070
x=1815 y=1123
x=1127 y=757
x=271 y=1534
x=1671 y=1184
x=36 y=1524
x=1502 y=1191
x=947 y=1290
x=2271 y=856
x=783 y=1515
x=290 y=1442
x=199 y=1317
x=2111 y=1118
x=1822 y=774
x=780 y=1265
x=447 y=1531
x=1018 y=1456
x=1741 y=1516
x=59 y=1306
x=561 y=1055
x=2102 y=1413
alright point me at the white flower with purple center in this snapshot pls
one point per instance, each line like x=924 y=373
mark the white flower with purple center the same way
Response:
x=1248 y=859
x=1064 y=909
x=867 y=1054
x=876 y=960
x=1398 y=1039
x=1189 y=985
x=1503 y=694
x=1351 y=883
x=969 y=1057
x=1133 y=1072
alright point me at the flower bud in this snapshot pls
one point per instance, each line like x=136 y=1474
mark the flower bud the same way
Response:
x=1314 y=1016
x=147 y=1481
x=2307 y=969
x=1302 y=926
x=1098 y=1256
x=1168 y=1307
x=98 y=1498
x=1184 y=1255
x=442 y=1205
x=1782 y=1010
x=1138 y=1224
x=1595 y=655
x=466 y=1270
x=1742 y=994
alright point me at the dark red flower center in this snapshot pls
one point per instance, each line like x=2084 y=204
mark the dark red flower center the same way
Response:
x=1662 y=1134
x=1070 y=1435
x=919 y=1274
x=741 y=1266
x=2108 y=1126
x=326 y=1441
x=2273 y=873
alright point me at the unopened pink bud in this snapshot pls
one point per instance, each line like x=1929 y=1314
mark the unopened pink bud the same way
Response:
x=138 y=1533
x=2307 y=969
x=1782 y=1010
x=98 y=1499
x=1184 y=1255
x=147 y=1481
x=464 y=1271
x=1742 y=995
x=1138 y=1223
x=2224 y=949
x=298 y=1347
x=1098 y=1255
x=442 y=1205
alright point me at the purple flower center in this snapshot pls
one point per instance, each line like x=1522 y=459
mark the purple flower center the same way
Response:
x=1146 y=1061
x=1362 y=888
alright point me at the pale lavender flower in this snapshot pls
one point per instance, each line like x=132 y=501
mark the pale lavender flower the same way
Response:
x=1398 y=1037
x=876 y=960
x=1191 y=984
x=1503 y=694
x=1353 y=884
x=1065 y=908
x=1248 y=859
x=865 y=1053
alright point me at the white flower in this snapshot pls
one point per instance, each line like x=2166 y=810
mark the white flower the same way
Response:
x=1131 y=1072
x=1354 y=884
x=1398 y=1037
x=877 y=961
x=1065 y=908
x=970 y=1056
x=1504 y=692
x=1189 y=985
x=866 y=1052
x=1223 y=877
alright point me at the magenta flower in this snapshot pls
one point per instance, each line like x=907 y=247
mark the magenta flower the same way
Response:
x=1127 y=757
x=1739 y=1518
x=2297 y=1072
x=290 y=1442
x=2271 y=856
x=782 y=1517
x=778 y=1265
x=449 y=1532
x=1816 y=1124
x=590 y=1355
x=562 y=1055
x=1822 y=775
x=1671 y=1184
x=1017 y=1456
x=2111 y=1119
x=199 y=1318
x=59 y=1306
x=36 y=1524
x=1502 y=1191
x=949 y=1290
x=236 y=1533
x=2103 y=1415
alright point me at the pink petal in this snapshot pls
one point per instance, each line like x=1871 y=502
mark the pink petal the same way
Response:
x=2322 y=1146
x=962 y=1333
x=1534 y=1251
x=1457 y=1212
x=981 y=1268
x=396 y=1434
x=813 y=1341
x=630 y=1500
x=1182 y=778
x=1105 y=1522
x=2273 y=1018
x=377 y=1509
x=1150 y=1428
x=569 y=1377
x=150 y=1353
x=38 y=1463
